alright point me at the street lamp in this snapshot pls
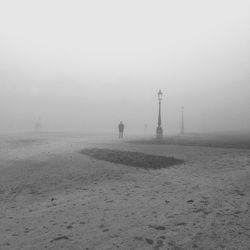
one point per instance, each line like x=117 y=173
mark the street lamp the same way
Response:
x=159 y=131
x=182 y=120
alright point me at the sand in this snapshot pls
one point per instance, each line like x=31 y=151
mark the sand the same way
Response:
x=218 y=140
x=54 y=197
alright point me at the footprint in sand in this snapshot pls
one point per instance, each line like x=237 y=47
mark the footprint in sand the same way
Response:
x=159 y=244
x=62 y=237
x=27 y=230
x=157 y=227
x=162 y=237
x=138 y=238
x=149 y=241
x=181 y=224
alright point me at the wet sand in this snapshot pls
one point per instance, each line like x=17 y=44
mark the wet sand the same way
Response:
x=54 y=197
x=133 y=159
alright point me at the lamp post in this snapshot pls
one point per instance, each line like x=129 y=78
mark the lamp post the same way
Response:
x=182 y=120
x=159 y=131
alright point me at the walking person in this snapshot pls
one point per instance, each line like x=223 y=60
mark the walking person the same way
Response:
x=121 y=129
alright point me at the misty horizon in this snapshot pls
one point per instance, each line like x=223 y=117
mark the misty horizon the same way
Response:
x=88 y=66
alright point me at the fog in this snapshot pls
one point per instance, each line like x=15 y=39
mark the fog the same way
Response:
x=87 y=65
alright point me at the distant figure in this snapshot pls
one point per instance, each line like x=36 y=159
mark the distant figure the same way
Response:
x=37 y=127
x=121 y=129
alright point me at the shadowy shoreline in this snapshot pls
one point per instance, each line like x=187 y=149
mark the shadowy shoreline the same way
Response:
x=201 y=140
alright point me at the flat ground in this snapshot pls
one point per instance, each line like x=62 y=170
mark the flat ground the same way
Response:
x=219 y=140
x=54 y=197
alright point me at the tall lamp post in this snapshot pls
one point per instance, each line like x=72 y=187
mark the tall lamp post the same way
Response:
x=159 y=131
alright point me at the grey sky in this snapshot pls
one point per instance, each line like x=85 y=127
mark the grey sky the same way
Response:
x=90 y=64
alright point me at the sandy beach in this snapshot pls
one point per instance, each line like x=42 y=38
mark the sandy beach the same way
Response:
x=54 y=197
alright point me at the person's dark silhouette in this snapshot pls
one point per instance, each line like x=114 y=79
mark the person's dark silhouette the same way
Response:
x=121 y=129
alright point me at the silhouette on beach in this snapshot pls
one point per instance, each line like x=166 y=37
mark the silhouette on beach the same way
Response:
x=121 y=129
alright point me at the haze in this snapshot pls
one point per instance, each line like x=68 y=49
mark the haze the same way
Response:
x=89 y=64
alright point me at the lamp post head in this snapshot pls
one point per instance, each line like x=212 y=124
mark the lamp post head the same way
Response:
x=160 y=95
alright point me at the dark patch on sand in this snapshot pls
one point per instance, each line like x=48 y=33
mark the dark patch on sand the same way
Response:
x=156 y=227
x=149 y=241
x=61 y=237
x=134 y=159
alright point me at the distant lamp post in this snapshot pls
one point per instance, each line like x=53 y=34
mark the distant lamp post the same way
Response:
x=159 y=131
x=182 y=120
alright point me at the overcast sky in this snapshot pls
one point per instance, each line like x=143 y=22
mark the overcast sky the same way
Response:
x=89 y=64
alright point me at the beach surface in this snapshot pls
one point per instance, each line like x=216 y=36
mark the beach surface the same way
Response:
x=53 y=196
